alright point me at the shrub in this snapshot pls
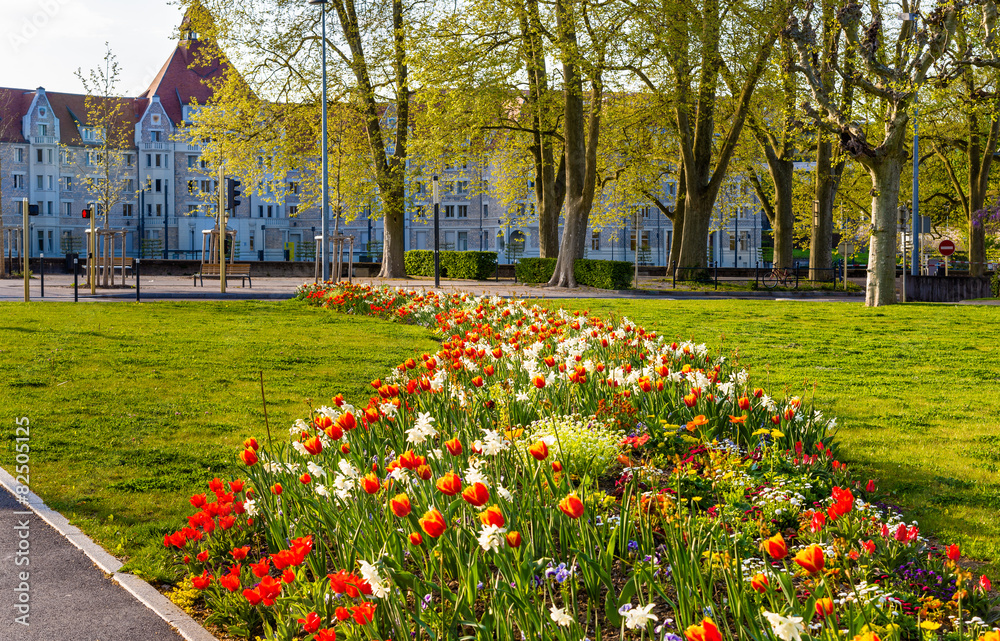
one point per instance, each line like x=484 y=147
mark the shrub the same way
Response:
x=995 y=284
x=604 y=274
x=581 y=444
x=469 y=264
x=535 y=270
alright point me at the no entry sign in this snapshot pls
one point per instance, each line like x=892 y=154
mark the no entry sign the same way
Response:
x=946 y=248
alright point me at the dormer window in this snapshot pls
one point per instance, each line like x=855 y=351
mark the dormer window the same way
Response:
x=43 y=130
x=92 y=134
x=154 y=135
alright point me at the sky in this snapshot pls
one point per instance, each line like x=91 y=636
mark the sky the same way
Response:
x=44 y=42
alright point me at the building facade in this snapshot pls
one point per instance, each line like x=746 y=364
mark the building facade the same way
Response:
x=46 y=144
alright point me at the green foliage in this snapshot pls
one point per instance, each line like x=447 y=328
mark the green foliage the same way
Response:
x=535 y=270
x=585 y=445
x=469 y=264
x=604 y=274
x=995 y=284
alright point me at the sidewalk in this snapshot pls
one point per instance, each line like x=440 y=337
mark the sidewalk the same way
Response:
x=59 y=287
x=66 y=596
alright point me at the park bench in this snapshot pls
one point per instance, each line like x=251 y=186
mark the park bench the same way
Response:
x=125 y=264
x=237 y=270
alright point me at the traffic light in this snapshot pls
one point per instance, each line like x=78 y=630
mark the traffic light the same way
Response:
x=233 y=193
x=86 y=213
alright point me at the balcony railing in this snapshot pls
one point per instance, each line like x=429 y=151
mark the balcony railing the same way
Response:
x=154 y=146
x=43 y=140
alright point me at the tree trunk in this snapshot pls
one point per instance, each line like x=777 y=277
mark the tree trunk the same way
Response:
x=692 y=255
x=821 y=238
x=783 y=176
x=393 y=231
x=977 y=234
x=881 y=288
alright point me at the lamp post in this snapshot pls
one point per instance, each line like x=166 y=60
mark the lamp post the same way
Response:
x=437 y=234
x=142 y=221
x=325 y=206
x=166 y=217
x=915 y=258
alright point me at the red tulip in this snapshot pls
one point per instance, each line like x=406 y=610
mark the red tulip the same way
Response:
x=776 y=547
x=811 y=559
x=744 y=403
x=276 y=489
x=432 y=522
x=249 y=457
x=476 y=494
x=201 y=582
x=953 y=552
x=251 y=444
x=759 y=583
x=449 y=484
x=313 y=445
x=824 y=608
x=400 y=505
x=539 y=450
x=311 y=623
x=707 y=631
x=305 y=479
x=454 y=446
x=538 y=381
x=231 y=581
x=416 y=538
x=492 y=516
x=572 y=506
x=514 y=541
x=240 y=553
x=370 y=483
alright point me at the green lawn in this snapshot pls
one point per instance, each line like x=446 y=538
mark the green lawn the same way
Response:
x=915 y=388
x=135 y=407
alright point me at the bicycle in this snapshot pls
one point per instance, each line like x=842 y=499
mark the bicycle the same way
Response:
x=780 y=276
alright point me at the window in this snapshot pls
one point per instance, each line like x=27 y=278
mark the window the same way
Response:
x=463 y=241
x=158 y=186
x=19 y=207
x=43 y=130
x=69 y=183
x=644 y=242
x=49 y=209
x=52 y=246
x=449 y=211
x=149 y=160
x=158 y=160
x=732 y=242
x=463 y=187
x=154 y=136
x=192 y=186
x=90 y=159
x=486 y=210
x=192 y=162
x=49 y=155
x=19 y=154
x=156 y=119
x=251 y=240
x=293 y=210
x=40 y=181
x=149 y=210
x=39 y=155
x=463 y=211
x=159 y=210
x=419 y=212
x=67 y=209
x=41 y=240
x=192 y=210
x=51 y=180
x=206 y=187
x=129 y=160
x=744 y=240
x=293 y=187
x=595 y=241
x=260 y=211
x=130 y=185
x=127 y=210
x=270 y=209
x=18 y=181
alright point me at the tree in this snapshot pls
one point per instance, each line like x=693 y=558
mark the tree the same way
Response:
x=102 y=167
x=890 y=71
x=278 y=42
x=689 y=41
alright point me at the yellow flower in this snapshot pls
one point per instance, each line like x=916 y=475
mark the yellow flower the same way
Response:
x=776 y=434
x=762 y=430
x=930 y=625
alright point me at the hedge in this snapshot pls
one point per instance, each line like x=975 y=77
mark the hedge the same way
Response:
x=602 y=274
x=470 y=265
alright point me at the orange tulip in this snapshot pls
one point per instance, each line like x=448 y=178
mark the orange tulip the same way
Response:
x=776 y=547
x=697 y=422
x=424 y=472
x=539 y=450
x=449 y=484
x=276 y=489
x=400 y=505
x=690 y=400
x=454 y=446
x=493 y=516
x=824 y=608
x=572 y=506
x=557 y=466
x=811 y=559
x=370 y=483
x=477 y=381
x=249 y=457
x=313 y=445
x=476 y=494
x=513 y=539
x=251 y=444
x=346 y=421
x=433 y=523
x=744 y=403
x=707 y=631
x=759 y=583
x=538 y=381
x=416 y=538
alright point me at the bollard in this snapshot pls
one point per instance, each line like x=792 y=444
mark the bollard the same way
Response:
x=41 y=273
x=796 y=275
x=756 y=274
x=138 y=279
x=673 y=268
x=76 y=273
x=716 y=275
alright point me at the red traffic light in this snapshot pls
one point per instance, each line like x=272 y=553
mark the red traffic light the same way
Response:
x=86 y=213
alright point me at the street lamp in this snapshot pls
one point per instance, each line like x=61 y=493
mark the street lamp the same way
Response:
x=915 y=258
x=325 y=206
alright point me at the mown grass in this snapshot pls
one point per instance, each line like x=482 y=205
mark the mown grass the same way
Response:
x=915 y=388
x=135 y=407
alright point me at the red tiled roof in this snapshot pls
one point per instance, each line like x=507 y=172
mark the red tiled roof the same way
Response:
x=14 y=103
x=71 y=109
x=183 y=79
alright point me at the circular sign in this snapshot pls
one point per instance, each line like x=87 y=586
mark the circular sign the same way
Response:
x=946 y=247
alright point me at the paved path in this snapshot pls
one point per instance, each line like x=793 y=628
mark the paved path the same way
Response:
x=59 y=287
x=69 y=598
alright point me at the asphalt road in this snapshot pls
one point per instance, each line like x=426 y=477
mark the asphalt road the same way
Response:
x=68 y=597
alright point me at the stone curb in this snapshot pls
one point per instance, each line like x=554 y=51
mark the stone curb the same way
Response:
x=142 y=591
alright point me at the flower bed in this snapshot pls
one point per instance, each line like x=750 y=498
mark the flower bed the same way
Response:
x=553 y=475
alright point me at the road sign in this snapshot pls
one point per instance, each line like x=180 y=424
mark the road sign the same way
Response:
x=845 y=249
x=946 y=247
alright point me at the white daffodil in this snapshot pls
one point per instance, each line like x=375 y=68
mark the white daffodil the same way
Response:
x=251 y=507
x=560 y=616
x=370 y=573
x=322 y=491
x=639 y=617
x=785 y=628
x=422 y=429
x=315 y=470
x=491 y=538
